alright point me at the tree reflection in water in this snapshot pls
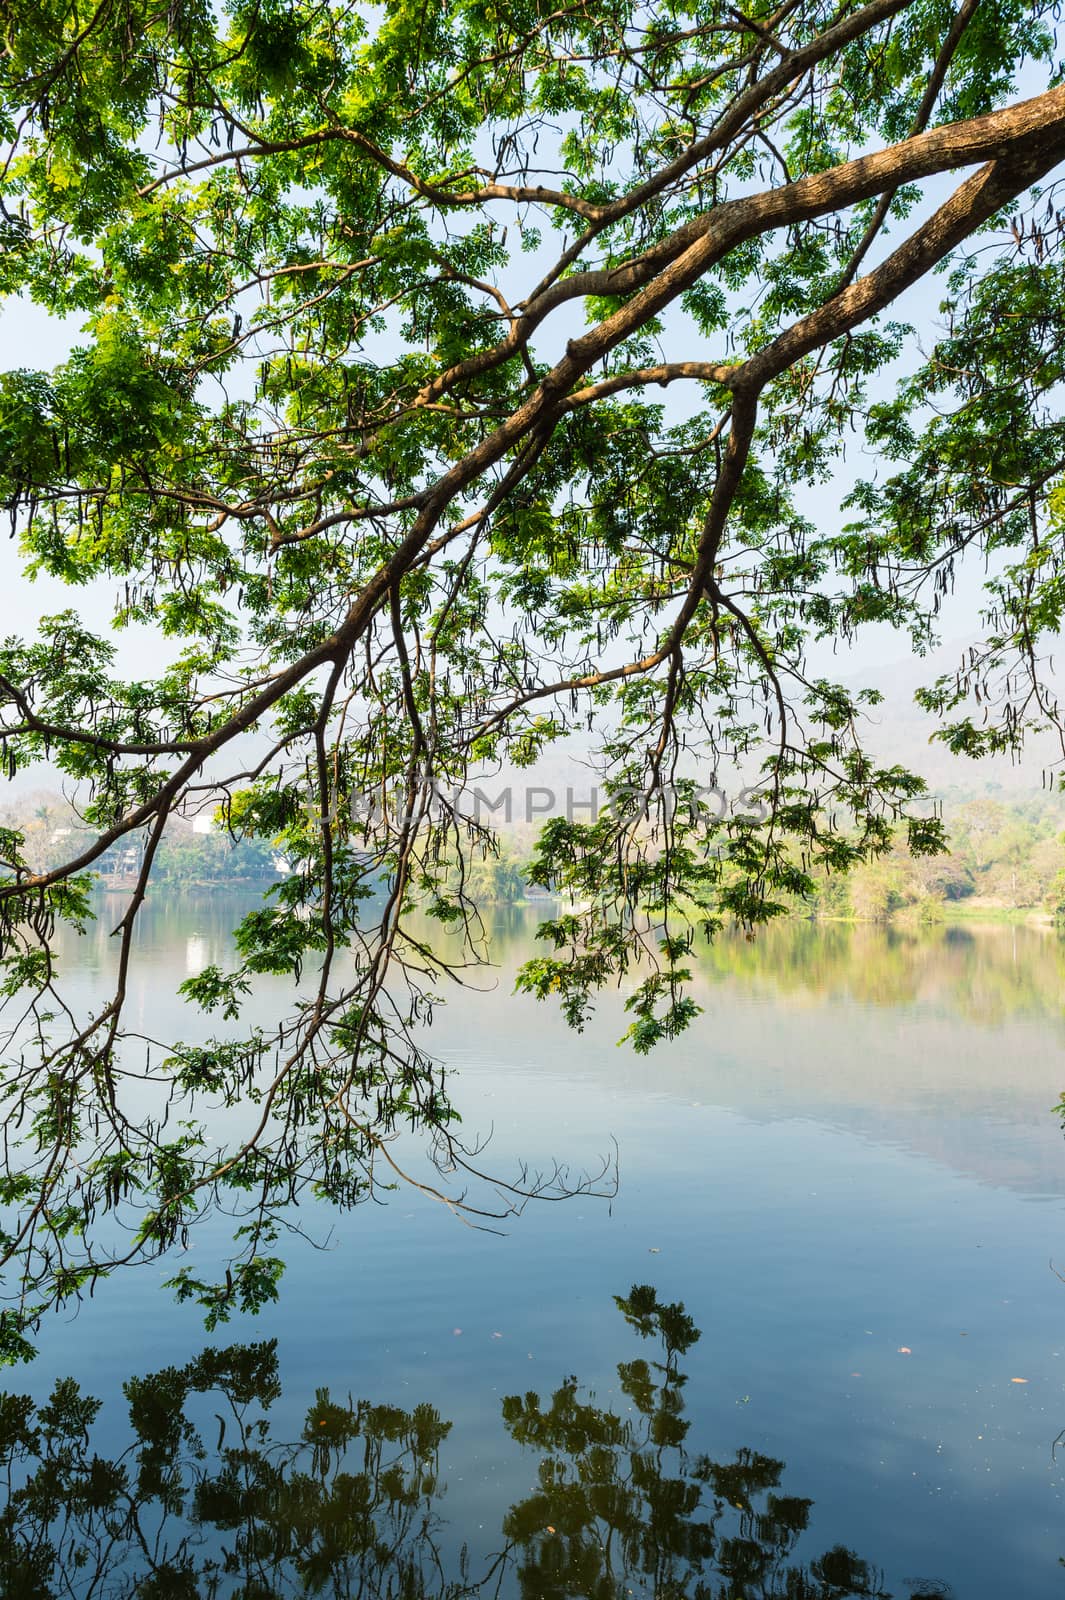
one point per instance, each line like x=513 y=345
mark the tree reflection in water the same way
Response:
x=204 y=1503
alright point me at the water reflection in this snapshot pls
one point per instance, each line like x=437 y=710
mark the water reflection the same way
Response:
x=986 y=973
x=208 y=1500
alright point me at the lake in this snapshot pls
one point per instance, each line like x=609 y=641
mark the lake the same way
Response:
x=848 y=1175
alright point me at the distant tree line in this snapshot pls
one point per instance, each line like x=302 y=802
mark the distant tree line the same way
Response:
x=52 y=828
x=1004 y=855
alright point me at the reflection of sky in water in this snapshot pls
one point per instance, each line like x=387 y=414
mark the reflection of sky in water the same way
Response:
x=196 y=957
x=836 y=1164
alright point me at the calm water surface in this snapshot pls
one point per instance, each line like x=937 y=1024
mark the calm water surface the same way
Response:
x=848 y=1173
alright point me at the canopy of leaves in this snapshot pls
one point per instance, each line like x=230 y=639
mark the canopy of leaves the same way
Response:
x=452 y=376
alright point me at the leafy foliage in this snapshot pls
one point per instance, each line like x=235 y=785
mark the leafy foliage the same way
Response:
x=452 y=377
